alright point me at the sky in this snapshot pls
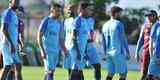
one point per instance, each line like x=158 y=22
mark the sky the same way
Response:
x=136 y=4
x=153 y=4
x=139 y=3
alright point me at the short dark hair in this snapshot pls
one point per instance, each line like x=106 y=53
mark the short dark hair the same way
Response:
x=84 y=5
x=116 y=9
x=21 y=9
x=151 y=12
x=53 y=5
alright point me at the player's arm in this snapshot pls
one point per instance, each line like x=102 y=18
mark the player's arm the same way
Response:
x=5 y=26
x=76 y=43
x=76 y=24
x=104 y=43
x=21 y=37
x=41 y=32
x=124 y=40
x=62 y=39
x=139 y=43
x=105 y=40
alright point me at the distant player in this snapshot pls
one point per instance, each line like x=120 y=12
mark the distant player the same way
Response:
x=9 y=40
x=154 y=65
x=91 y=51
x=21 y=27
x=20 y=14
x=144 y=42
x=50 y=40
x=81 y=34
x=69 y=31
x=115 y=45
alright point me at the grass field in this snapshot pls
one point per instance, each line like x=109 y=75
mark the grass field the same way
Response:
x=37 y=73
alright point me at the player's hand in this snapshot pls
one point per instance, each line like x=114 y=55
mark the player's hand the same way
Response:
x=158 y=61
x=128 y=56
x=43 y=55
x=137 y=57
x=13 y=49
x=79 y=57
x=66 y=53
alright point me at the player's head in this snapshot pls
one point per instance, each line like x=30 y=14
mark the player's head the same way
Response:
x=72 y=10
x=14 y=3
x=116 y=12
x=83 y=9
x=55 y=9
x=152 y=15
x=91 y=10
x=20 y=12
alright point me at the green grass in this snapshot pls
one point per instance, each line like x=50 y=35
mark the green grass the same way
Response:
x=37 y=73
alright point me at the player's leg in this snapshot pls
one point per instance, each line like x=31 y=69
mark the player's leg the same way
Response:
x=68 y=63
x=121 y=66
x=49 y=75
x=144 y=64
x=17 y=66
x=18 y=74
x=7 y=61
x=110 y=68
x=94 y=59
x=149 y=77
x=11 y=75
x=1 y=61
x=5 y=72
x=153 y=70
x=97 y=71
x=76 y=72
x=50 y=64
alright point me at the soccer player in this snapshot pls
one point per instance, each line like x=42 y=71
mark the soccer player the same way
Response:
x=115 y=45
x=50 y=39
x=154 y=48
x=81 y=35
x=144 y=41
x=20 y=14
x=21 y=27
x=69 y=31
x=9 y=42
x=91 y=52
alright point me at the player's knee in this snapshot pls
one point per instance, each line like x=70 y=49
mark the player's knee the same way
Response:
x=149 y=77
x=8 y=67
x=49 y=72
x=97 y=67
x=123 y=75
x=110 y=74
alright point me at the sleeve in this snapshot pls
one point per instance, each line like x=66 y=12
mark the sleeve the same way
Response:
x=77 y=23
x=104 y=40
x=123 y=37
x=158 y=42
x=153 y=32
x=21 y=26
x=6 y=17
x=43 y=25
x=62 y=30
x=92 y=23
x=140 y=40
